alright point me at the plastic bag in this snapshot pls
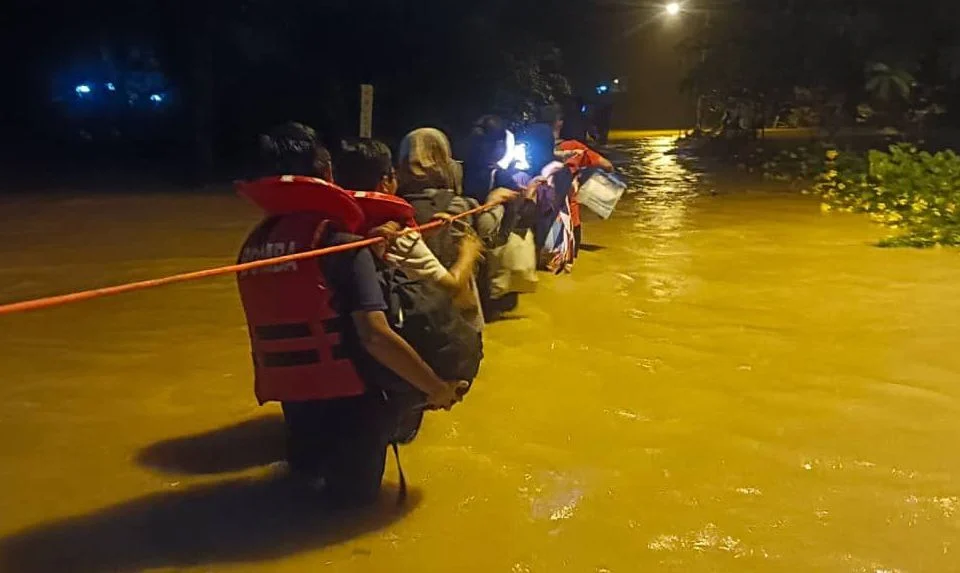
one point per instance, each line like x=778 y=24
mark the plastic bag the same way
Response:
x=601 y=192
x=515 y=266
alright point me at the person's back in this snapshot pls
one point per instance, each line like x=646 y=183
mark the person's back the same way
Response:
x=318 y=330
x=430 y=181
x=306 y=356
x=432 y=306
x=366 y=165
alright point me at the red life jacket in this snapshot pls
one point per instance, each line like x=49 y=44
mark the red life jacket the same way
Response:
x=296 y=335
x=380 y=208
x=296 y=194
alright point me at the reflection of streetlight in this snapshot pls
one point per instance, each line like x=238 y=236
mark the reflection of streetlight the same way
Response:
x=672 y=8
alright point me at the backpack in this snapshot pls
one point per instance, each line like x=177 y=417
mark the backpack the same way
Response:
x=441 y=241
x=426 y=318
x=424 y=315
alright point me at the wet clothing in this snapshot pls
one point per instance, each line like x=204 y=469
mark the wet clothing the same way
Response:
x=344 y=441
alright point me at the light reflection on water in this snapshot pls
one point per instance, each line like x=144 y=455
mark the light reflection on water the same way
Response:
x=661 y=189
x=725 y=383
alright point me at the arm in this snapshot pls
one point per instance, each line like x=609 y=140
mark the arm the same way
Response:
x=411 y=254
x=356 y=284
x=587 y=157
x=389 y=349
x=459 y=275
x=604 y=163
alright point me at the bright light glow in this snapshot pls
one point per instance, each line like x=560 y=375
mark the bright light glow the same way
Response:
x=111 y=87
x=673 y=8
x=603 y=88
x=520 y=157
x=583 y=108
x=508 y=156
x=156 y=98
x=82 y=89
x=516 y=154
x=616 y=81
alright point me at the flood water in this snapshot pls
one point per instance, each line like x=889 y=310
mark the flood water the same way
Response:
x=729 y=381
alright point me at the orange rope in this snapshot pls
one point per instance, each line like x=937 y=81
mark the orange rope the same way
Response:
x=52 y=301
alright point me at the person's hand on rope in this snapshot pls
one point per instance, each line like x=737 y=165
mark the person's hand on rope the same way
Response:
x=447 y=218
x=389 y=231
x=501 y=195
x=531 y=191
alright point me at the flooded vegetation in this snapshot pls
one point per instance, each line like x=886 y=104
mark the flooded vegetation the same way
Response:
x=730 y=380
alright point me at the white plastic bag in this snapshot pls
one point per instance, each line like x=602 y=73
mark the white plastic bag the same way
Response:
x=516 y=266
x=601 y=192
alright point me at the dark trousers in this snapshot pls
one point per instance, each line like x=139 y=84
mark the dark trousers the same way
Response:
x=342 y=441
x=577 y=236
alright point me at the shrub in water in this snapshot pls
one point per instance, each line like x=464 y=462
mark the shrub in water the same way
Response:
x=913 y=191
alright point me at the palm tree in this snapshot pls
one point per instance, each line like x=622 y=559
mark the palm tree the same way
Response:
x=884 y=81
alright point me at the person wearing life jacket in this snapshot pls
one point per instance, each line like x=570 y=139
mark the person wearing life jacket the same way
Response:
x=366 y=165
x=320 y=338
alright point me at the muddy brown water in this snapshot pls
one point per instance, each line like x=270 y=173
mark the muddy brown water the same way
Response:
x=729 y=381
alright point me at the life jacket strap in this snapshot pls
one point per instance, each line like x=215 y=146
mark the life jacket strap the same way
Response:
x=402 y=495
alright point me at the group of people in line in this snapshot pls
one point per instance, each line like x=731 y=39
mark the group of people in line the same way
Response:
x=356 y=345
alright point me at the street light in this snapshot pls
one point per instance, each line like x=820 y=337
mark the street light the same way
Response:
x=672 y=8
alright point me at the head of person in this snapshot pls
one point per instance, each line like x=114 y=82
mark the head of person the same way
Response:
x=366 y=165
x=294 y=149
x=488 y=141
x=553 y=116
x=426 y=161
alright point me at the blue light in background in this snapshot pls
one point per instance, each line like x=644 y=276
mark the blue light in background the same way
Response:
x=82 y=89
x=583 y=109
x=156 y=98
x=111 y=87
x=603 y=88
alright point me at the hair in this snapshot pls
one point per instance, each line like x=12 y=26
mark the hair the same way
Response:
x=293 y=149
x=426 y=161
x=362 y=164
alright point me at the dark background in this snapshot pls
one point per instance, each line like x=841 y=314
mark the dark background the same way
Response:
x=228 y=69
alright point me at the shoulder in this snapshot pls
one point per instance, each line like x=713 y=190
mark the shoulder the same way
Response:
x=337 y=262
x=572 y=145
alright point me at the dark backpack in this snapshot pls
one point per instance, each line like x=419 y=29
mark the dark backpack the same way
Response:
x=425 y=316
x=441 y=241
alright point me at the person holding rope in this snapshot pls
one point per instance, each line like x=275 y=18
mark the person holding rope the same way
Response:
x=367 y=165
x=432 y=181
x=320 y=335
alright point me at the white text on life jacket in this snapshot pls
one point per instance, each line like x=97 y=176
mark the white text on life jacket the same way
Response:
x=268 y=251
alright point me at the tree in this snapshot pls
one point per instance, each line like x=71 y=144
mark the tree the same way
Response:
x=767 y=49
x=885 y=83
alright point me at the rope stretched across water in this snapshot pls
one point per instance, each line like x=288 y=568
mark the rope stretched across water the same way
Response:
x=60 y=300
